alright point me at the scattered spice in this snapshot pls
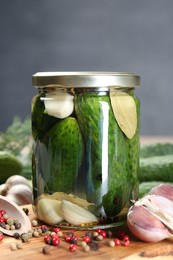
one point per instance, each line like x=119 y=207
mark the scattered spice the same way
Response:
x=13 y=247
x=16 y=235
x=34 y=223
x=46 y=250
x=25 y=237
x=26 y=210
x=86 y=248
x=111 y=243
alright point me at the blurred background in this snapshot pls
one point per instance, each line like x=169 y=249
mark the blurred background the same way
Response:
x=93 y=35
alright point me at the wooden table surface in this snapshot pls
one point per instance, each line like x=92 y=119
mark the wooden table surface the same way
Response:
x=134 y=251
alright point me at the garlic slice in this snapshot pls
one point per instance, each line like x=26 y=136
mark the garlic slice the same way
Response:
x=75 y=214
x=124 y=109
x=48 y=210
x=59 y=105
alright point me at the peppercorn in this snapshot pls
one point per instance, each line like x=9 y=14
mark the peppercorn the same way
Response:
x=13 y=246
x=46 y=250
x=3 y=225
x=109 y=233
x=34 y=223
x=16 y=235
x=72 y=248
x=95 y=234
x=60 y=234
x=36 y=234
x=93 y=246
x=44 y=228
x=25 y=237
x=26 y=210
x=10 y=222
x=19 y=245
x=12 y=227
x=87 y=239
x=117 y=242
x=17 y=225
x=111 y=243
x=89 y=234
x=7 y=227
x=15 y=221
x=86 y=248
x=99 y=238
x=39 y=231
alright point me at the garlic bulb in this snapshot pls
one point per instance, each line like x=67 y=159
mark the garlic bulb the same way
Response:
x=165 y=190
x=151 y=218
x=145 y=226
x=59 y=105
x=18 y=189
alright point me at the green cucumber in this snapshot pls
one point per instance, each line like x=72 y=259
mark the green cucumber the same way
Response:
x=157 y=168
x=134 y=149
x=107 y=153
x=145 y=187
x=60 y=157
x=41 y=121
x=9 y=165
x=156 y=149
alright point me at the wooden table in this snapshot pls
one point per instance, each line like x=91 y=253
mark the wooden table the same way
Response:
x=134 y=251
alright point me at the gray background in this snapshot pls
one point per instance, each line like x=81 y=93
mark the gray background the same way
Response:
x=91 y=35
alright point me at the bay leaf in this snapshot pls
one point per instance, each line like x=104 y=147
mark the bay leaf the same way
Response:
x=124 y=109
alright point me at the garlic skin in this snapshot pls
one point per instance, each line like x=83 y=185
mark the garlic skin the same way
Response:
x=145 y=226
x=165 y=190
x=17 y=189
x=60 y=105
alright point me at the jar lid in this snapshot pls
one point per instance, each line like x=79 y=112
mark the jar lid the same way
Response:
x=86 y=79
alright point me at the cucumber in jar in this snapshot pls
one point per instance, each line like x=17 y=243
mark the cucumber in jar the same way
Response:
x=106 y=153
x=41 y=121
x=60 y=157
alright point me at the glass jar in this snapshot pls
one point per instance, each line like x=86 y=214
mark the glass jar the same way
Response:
x=85 y=166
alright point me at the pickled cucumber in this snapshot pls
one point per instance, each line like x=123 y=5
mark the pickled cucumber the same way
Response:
x=60 y=157
x=134 y=149
x=107 y=153
x=41 y=121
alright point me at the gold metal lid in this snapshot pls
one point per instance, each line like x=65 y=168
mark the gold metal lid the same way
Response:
x=86 y=79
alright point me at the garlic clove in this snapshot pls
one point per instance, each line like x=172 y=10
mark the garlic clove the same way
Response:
x=48 y=210
x=76 y=215
x=145 y=226
x=160 y=207
x=20 y=194
x=60 y=105
x=16 y=179
x=165 y=190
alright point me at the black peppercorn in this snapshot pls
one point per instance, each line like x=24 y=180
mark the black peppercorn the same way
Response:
x=26 y=210
x=16 y=235
x=17 y=225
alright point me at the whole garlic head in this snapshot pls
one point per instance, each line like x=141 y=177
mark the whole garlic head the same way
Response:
x=18 y=189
